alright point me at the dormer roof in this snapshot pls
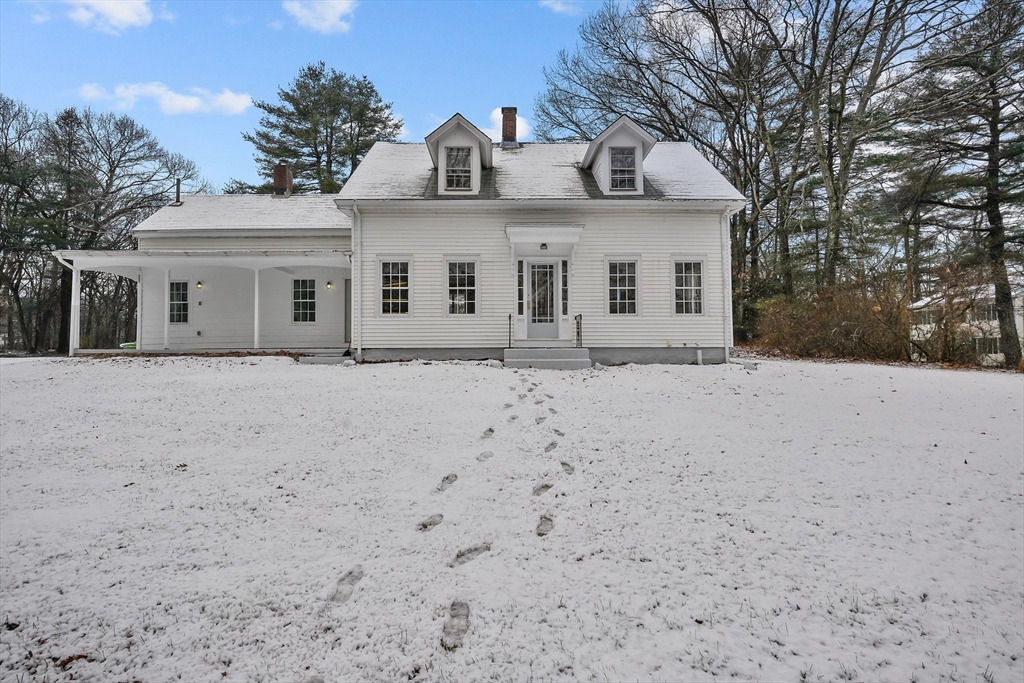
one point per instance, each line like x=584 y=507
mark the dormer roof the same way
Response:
x=483 y=141
x=647 y=140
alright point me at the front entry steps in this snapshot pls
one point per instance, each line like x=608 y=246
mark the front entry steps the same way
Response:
x=548 y=358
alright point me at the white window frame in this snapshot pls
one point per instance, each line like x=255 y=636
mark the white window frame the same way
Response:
x=314 y=321
x=611 y=171
x=468 y=170
x=398 y=258
x=475 y=260
x=606 y=284
x=187 y=302
x=702 y=259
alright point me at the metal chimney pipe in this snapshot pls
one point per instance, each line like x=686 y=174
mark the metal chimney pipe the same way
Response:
x=177 y=190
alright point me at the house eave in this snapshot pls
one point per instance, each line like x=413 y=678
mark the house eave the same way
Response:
x=717 y=206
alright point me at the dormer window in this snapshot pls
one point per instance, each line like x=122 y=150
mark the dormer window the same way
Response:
x=458 y=168
x=623 y=168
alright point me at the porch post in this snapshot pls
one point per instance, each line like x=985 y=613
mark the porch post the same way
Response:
x=167 y=307
x=138 y=313
x=256 y=311
x=74 y=336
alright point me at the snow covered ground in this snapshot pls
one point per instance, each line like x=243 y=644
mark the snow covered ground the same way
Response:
x=251 y=519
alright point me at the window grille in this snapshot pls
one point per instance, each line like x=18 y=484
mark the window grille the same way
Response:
x=304 y=301
x=394 y=282
x=689 y=287
x=565 y=288
x=461 y=288
x=521 y=289
x=622 y=287
x=458 y=169
x=986 y=345
x=985 y=312
x=623 y=168
x=179 y=302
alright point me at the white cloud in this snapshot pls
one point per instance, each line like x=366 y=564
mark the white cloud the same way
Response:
x=126 y=95
x=111 y=16
x=563 y=6
x=494 y=130
x=322 y=16
x=41 y=16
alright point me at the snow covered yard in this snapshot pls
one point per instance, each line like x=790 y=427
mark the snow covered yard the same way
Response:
x=257 y=520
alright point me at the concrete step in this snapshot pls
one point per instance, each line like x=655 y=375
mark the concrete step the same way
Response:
x=547 y=354
x=549 y=364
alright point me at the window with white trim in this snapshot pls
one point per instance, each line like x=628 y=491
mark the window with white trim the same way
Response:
x=458 y=168
x=303 y=301
x=521 y=288
x=565 y=287
x=462 y=287
x=623 y=168
x=622 y=287
x=689 y=287
x=985 y=312
x=178 y=293
x=986 y=345
x=394 y=287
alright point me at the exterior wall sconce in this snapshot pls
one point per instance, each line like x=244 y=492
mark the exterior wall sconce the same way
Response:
x=199 y=285
x=330 y=285
x=544 y=246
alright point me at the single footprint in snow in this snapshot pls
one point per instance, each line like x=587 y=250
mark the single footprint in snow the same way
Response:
x=430 y=522
x=464 y=556
x=448 y=481
x=485 y=456
x=569 y=469
x=513 y=418
x=456 y=625
x=489 y=432
x=508 y=405
x=552 y=411
x=549 y=395
x=541 y=419
x=541 y=489
x=558 y=432
x=346 y=585
x=529 y=390
x=545 y=525
x=551 y=446
x=522 y=396
x=538 y=401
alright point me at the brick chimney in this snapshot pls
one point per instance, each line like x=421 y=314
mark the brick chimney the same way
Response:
x=508 y=128
x=282 y=180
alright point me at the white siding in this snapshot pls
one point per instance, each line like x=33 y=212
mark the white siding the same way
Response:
x=655 y=237
x=223 y=309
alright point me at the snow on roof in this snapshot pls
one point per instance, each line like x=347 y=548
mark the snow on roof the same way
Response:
x=248 y=212
x=672 y=171
x=978 y=292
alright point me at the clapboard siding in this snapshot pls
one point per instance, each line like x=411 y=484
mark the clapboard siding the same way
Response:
x=307 y=243
x=426 y=239
x=225 y=316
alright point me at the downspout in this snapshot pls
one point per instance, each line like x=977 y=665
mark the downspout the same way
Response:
x=357 y=280
x=727 y=285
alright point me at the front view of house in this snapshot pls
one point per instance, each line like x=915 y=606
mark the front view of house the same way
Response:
x=616 y=251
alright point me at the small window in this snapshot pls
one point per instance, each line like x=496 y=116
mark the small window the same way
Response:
x=985 y=312
x=689 y=287
x=394 y=287
x=565 y=288
x=303 y=301
x=926 y=316
x=521 y=289
x=986 y=345
x=179 y=302
x=623 y=168
x=461 y=288
x=622 y=287
x=458 y=171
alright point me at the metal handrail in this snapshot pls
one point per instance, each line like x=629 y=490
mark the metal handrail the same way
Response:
x=579 y=330
x=510 y=330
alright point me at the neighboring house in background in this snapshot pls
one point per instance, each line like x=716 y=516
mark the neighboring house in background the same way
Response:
x=541 y=254
x=968 y=314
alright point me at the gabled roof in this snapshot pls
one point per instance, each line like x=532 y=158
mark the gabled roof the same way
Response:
x=434 y=138
x=541 y=171
x=248 y=212
x=647 y=140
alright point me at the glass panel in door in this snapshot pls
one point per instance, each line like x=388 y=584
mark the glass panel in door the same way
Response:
x=542 y=321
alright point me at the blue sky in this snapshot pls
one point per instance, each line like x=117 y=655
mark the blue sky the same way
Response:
x=187 y=70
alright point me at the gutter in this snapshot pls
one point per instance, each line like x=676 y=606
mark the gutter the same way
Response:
x=425 y=205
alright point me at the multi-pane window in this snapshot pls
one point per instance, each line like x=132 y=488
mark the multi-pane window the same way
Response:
x=926 y=316
x=461 y=287
x=458 y=171
x=689 y=287
x=986 y=345
x=303 y=301
x=622 y=287
x=179 y=302
x=623 y=168
x=565 y=288
x=985 y=312
x=521 y=288
x=394 y=287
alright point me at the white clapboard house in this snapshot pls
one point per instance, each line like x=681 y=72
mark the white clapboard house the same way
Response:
x=541 y=254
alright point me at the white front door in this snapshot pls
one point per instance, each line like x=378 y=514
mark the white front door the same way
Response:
x=542 y=287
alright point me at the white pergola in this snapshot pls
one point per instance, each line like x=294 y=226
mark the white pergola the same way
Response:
x=129 y=264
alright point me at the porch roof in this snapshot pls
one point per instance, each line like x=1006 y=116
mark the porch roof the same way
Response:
x=129 y=263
